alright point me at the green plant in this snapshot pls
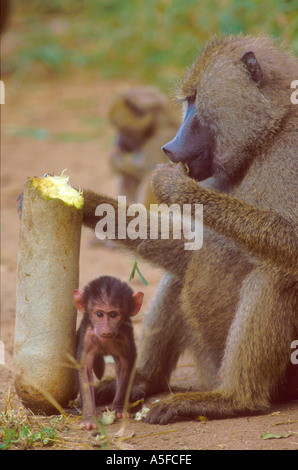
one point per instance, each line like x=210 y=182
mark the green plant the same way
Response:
x=15 y=432
x=150 y=40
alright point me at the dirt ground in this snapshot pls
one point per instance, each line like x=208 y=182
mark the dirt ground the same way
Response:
x=55 y=124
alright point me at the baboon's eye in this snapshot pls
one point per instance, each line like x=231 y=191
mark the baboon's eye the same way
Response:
x=135 y=109
x=113 y=314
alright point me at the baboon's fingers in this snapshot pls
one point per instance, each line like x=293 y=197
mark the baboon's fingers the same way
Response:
x=191 y=405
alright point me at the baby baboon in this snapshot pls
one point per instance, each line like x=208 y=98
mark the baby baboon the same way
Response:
x=144 y=122
x=234 y=301
x=107 y=305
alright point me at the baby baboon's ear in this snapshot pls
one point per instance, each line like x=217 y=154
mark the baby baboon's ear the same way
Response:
x=138 y=300
x=78 y=296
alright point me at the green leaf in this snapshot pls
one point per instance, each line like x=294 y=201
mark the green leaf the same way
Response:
x=269 y=435
x=134 y=269
x=142 y=277
x=132 y=275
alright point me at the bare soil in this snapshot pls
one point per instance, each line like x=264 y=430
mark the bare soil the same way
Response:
x=56 y=124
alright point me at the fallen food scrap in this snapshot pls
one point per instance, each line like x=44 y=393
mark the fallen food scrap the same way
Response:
x=142 y=414
x=108 y=417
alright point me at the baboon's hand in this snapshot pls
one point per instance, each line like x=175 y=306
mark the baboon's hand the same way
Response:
x=164 y=412
x=179 y=406
x=191 y=405
x=168 y=182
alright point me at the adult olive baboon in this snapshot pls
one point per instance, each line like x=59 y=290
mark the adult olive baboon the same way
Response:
x=144 y=121
x=234 y=301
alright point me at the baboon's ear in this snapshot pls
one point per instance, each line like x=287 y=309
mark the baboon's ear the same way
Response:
x=138 y=300
x=253 y=67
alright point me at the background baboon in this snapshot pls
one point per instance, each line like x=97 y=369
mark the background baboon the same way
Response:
x=144 y=122
x=233 y=302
